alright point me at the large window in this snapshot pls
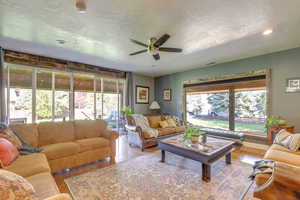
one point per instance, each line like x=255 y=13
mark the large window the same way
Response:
x=62 y=96
x=209 y=109
x=44 y=96
x=36 y=95
x=250 y=110
x=238 y=106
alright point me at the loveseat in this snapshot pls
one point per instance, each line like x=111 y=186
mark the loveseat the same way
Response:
x=137 y=137
x=286 y=179
x=65 y=145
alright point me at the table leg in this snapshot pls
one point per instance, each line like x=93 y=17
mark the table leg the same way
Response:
x=163 y=155
x=206 y=173
x=228 y=158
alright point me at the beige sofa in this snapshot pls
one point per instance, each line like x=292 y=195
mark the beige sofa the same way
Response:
x=65 y=145
x=142 y=139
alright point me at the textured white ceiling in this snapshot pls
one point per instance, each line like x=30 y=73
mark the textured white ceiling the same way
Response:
x=207 y=30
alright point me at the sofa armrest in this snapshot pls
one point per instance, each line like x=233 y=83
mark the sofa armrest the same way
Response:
x=60 y=197
x=136 y=129
x=133 y=128
x=110 y=134
x=112 y=137
x=285 y=182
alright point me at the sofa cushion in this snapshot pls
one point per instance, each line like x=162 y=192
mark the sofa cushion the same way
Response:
x=154 y=120
x=166 y=131
x=29 y=165
x=171 y=122
x=89 y=128
x=55 y=132
x=163 y=124
x=15 y=187
x=180 y=129
x=60 y=150
x=291 y=158
x=44 y=185
x=28 y=132
x=92 y=143
x=175 y=118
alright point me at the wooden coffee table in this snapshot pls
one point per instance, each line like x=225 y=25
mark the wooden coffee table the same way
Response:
x=207 y=153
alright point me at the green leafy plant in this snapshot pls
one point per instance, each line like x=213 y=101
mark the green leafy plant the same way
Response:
x=127 y=111
x=275 y=120
x=191 y=131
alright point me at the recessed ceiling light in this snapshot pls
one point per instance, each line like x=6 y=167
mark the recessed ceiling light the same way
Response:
x=268 y=32
x=81 y=6
x=61 y=41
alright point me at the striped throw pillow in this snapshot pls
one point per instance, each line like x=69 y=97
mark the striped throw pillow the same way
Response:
x=288 y=140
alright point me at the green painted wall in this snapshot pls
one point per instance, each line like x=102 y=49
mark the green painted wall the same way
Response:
x=285 y=64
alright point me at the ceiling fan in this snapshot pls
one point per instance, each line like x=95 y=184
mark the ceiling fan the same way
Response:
x=154 y=46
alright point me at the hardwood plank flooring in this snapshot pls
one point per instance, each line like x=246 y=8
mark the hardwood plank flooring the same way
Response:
x=125 y=152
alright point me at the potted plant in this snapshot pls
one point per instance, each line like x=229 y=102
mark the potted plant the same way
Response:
x=126 y=111
x=192 y=134
x=275 y=120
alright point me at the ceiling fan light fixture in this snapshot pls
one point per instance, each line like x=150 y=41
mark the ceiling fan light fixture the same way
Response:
x=81 y=6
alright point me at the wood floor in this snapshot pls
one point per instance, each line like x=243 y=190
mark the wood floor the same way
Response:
x=125 y=152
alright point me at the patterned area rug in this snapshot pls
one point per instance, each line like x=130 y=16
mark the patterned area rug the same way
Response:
x=145 y=177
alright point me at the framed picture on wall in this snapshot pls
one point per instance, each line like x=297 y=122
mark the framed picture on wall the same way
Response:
x=167 y=94
x=293 y=85
x=141 y=94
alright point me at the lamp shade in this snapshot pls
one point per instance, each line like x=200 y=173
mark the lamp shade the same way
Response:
x=154 y=106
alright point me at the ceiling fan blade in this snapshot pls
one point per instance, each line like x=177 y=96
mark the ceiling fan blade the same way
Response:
x=156 y=56
x=162 y=40
x=167 y=49
x=139 y=43
x=138 y=52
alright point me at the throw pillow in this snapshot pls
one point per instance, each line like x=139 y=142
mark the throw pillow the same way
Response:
x=171 y=123
x=288 y=140
x=11 y=136
x=26 y=148
x=15 y=187
x=163 y=124
x=8 y=152
x=175 y=118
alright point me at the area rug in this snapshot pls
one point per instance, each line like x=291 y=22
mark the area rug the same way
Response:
x=145 y=177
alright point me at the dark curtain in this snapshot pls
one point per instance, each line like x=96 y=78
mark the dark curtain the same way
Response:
x=2 y=89
x=129 y=99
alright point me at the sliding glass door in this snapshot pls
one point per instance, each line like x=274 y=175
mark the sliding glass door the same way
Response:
x=35 y=95
x=19 y=95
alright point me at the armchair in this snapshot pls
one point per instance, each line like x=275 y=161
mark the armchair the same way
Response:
x=285 y=183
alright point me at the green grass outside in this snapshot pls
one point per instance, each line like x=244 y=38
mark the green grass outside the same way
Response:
x=224 y=125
